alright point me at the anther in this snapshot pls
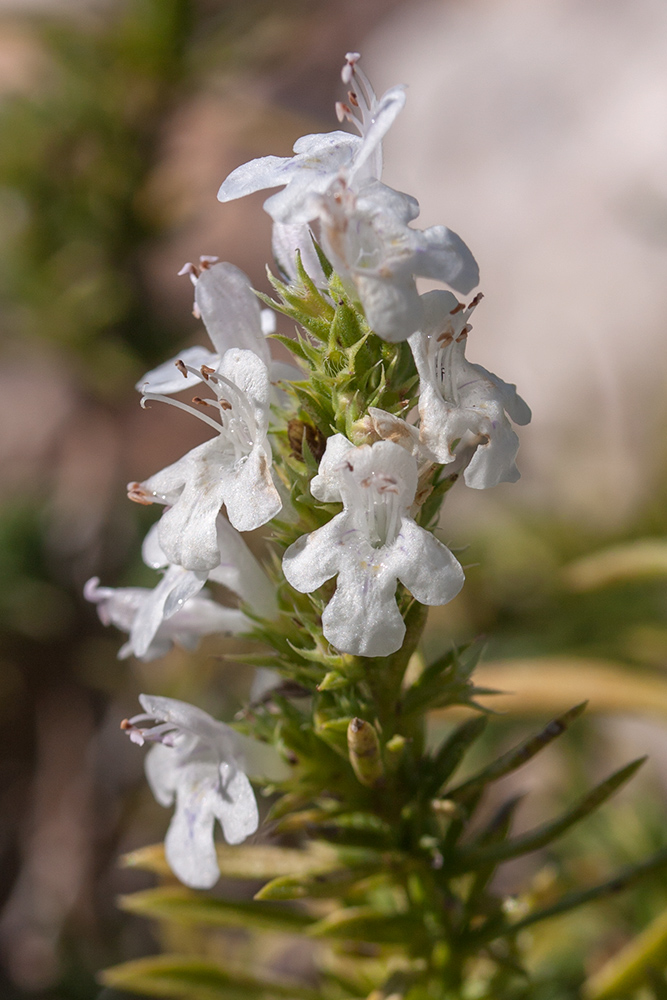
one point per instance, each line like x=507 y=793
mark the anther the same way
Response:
x=138 y=494
x=191 y=269
x=206 y=260
x=207 y=372
x=181 y=367
x=126 y=724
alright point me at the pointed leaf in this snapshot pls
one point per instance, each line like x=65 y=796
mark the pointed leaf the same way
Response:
x=363 y=923
x=573 y=900
x=186 y=978
x=182 y=906
x=317 y=885
x=542 y=835
x=450 y=755
x=517 y=756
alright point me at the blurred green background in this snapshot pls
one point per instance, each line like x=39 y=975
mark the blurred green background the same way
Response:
x=117 y=123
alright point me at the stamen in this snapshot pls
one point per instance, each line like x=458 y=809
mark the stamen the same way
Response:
x=181 y=406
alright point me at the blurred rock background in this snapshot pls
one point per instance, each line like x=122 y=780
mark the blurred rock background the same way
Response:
x=538 y=131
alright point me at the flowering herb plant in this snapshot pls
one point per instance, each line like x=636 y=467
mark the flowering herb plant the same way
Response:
x=345 y=457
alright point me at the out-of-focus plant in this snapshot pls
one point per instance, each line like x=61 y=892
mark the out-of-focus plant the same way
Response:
x=79 y=144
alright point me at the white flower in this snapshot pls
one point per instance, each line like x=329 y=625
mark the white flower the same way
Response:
x=233 y=468
x=367 y=236
x=196 y=761
x=224 y=299
x=319 y=159
x=176 y=611
x=462 y=406
x=370 y=545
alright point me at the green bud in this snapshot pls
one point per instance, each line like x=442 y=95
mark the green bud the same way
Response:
x=364 y=748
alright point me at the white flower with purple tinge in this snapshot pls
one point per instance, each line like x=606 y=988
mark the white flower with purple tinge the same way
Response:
x=320 y=159
x=369 y=546
x=196 y=762
x=367 y=236
x=462 y=406
x=233 y=468
x=176 y=610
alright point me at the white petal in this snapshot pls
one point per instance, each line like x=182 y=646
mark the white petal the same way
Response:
x=286 y=239
x=187 y=530
x=189 y=845
x=230 y=310
x=268 y=321
x=261 y=760
x=427 y=568
x=313 y=559
x=384 y=114
x=516 y=407
x=438 y=305
x=202 y=616
x=362 y=618
x=447 y=258
x=325 y=486
x=326 y=149
x=264 y=172
x=391 y=428
x=191 y=719
x=175 y=588
x=160 y=764
x=392 y=305
x=251 y=497
x=151 y=550
x=236 y=807
x=167 y=379
x=240 y=572
x=494 y=462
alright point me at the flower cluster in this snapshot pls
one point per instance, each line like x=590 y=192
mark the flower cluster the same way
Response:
x=373 y=449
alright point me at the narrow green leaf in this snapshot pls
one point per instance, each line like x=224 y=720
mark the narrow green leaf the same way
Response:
x=450 y=755
x=620 y=976
x=517 y=756
x=363 y=923
x=298 y=347
x=186 y=978
x=445 y=682
x=542 y=835
x=317 y=885
x=182 y=906
x=573 y=900
x=323 y=259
